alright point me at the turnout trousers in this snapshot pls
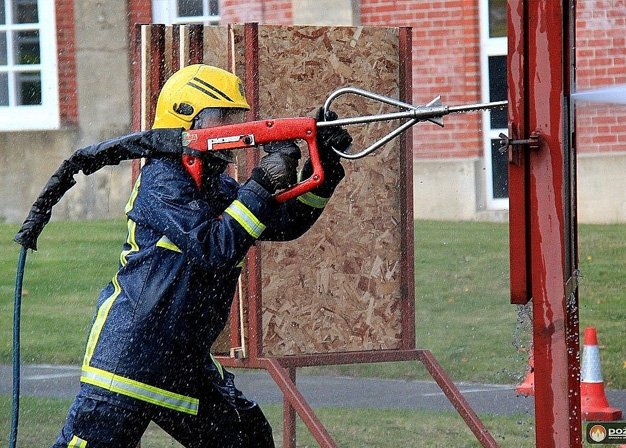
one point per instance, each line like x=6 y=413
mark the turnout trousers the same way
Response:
x=225 y=419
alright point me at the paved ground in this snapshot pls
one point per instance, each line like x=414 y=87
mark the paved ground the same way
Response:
x=330 y=391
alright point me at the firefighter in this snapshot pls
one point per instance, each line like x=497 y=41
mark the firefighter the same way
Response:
x=148 y=352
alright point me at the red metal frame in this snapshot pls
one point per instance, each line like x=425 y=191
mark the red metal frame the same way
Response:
x=542 y=189
x=283 y=372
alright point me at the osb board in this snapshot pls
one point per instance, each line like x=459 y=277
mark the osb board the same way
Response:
x=215 y=46
x=337 y=288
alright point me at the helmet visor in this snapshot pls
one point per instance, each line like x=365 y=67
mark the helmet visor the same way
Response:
x=218 y=116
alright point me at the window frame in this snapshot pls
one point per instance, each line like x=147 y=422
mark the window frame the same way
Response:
x=45 y=116
x=489 y=46
x=166 y=12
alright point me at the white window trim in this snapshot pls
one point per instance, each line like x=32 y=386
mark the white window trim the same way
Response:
x=166 y=12
x=45 y=116
x=489 y=47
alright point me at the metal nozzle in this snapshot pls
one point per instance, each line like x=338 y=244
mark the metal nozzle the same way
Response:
x=433 y=112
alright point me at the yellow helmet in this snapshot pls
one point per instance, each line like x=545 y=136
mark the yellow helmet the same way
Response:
x=194 y=88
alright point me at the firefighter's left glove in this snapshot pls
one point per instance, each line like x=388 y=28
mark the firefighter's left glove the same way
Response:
x=278 y=169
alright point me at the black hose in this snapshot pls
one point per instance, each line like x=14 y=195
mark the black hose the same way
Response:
x=155 y=143
x=17 y=305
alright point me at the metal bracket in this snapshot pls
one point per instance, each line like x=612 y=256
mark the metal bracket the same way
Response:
x=532 y=142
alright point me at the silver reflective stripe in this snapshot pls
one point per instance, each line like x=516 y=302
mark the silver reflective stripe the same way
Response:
x=591 y=370
x=313 y=200
x=245 y=218
x=140 y=391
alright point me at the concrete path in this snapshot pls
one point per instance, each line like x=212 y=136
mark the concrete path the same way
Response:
x=326 y=391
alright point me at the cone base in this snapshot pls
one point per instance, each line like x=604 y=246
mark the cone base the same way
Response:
x=525 y=389
x=607 y=414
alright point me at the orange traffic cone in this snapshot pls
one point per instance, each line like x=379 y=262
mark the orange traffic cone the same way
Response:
x=594 y=404
x=527 y=387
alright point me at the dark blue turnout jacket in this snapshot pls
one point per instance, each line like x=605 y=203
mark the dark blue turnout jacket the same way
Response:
x=156 y=320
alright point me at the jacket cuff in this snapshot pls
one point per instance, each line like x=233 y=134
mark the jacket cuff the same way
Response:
x=333 y=174
x=251 y=209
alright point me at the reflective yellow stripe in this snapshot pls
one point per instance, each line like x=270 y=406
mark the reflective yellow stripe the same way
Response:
x=313 y=200
x=133 y=196
x=166 y=243
x=131 y=240
x=140 y=391
x=245 y=218
x=98 y=323
x=77 y=442
x=220 y=369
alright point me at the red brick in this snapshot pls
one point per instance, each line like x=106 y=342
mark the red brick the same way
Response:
x=68 y=102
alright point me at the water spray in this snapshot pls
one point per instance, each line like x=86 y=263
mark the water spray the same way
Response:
x=611 y=95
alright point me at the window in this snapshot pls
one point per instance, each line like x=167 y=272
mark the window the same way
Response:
x=493 y=27
x=186 y=11
x=28 y=66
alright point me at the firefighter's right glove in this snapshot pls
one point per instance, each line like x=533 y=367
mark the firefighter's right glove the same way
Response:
x=278 y=169
x=327 y=139
x=332 y=137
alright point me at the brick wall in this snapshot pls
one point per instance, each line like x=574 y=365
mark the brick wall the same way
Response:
x=68 y=103
x=277 y=12
x=446 y=62
x=139 y=11
x=601 y=61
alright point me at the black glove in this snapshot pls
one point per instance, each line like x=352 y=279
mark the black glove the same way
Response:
x=327 y=138
x=331 y=137
x=277 y=170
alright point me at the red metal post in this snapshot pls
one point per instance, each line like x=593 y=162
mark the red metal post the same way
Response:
x=289 y=416
x=253 y=260
x=407 y=266
x=175 y=49
x=157 y=69
x=291 y=393
x=283 y=372
x=136 y=70
x=196 y=44
x=519 y=244
x=552 y=224
x=457 y=399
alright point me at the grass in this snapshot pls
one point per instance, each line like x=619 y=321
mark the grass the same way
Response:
x=463 y=314
x=42 y=418
x=61 y=283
